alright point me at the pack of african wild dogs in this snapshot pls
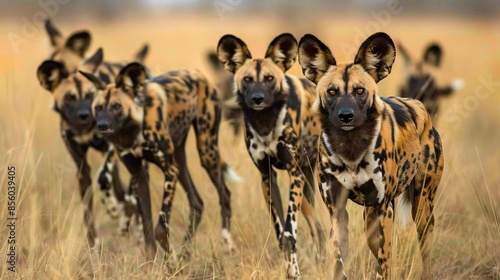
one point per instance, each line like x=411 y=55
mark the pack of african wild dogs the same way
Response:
x=330 y=130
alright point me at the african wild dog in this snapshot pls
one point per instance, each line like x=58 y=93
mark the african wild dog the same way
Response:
x=150 y=119
x=231 y=111
x=281 y=132
x=372 y=149
x=72 y=98
x=420 y=79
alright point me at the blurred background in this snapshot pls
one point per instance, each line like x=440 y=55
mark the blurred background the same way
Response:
x=181 y=33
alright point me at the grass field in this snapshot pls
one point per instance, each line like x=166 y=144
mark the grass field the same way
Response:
x=50 y=234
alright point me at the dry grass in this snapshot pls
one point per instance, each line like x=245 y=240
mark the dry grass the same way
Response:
x=50 y=232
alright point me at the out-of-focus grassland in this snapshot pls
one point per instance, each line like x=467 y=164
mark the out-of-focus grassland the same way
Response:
x=50 y=232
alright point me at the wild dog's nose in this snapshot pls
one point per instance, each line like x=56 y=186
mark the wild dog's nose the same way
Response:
x=103 y=125
x=346 y=115
x=83 y=115
x=258 y=98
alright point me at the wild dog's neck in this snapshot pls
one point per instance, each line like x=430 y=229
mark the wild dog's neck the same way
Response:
x=352 y=145
x=127 y=136
x=75 y=129
x=263 y=121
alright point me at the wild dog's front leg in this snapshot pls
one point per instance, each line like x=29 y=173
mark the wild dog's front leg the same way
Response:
x=272 y=195
x=163 y=157
x=379 y=223
x=140 y=185
x=289 y=237
x=78 y=153
x=335 y=197
x=106 y=179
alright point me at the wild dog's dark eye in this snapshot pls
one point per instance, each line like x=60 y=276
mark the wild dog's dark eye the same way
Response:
x=116 y=106
x=269 y=78
x=331 y=91
x=98 y=108
x=360 y=90
x=69 y=98
x=248 y=79
x=89 y=95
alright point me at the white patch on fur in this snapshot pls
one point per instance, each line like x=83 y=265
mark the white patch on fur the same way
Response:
x=231 y=176
x=324 y=188
x=228 y=240
x=292 y=267
x=403 y=209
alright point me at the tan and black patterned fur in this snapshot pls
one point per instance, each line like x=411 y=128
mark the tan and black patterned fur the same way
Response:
x=281 y=132
x=372 y=149
x=150 y=119
x=72 y=96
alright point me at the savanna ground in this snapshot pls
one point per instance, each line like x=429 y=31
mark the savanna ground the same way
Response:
x=50 y=233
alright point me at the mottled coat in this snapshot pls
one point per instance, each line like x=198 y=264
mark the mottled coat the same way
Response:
x=372 y=149
x=281 y=132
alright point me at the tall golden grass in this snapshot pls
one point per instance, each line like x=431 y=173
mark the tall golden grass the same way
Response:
x=50 y=233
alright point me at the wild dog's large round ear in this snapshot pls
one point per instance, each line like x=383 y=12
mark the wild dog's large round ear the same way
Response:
x=140 y=56
x=283 y=51
x=92 y=63
x=433 y=54
x=314 y=57
x=376 y=55
x=404 y=53
x=50 y=74
x=99 y=84
x=79 y=42
x=131 y=78
x=55 y=36
x=232 y=52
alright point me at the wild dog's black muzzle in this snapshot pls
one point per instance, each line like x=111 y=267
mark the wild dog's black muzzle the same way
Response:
x=346 y=115
x=258 y=98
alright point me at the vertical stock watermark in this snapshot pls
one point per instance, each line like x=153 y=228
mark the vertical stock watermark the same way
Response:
x=222 y=7
x=11 y=219
x=30 y=26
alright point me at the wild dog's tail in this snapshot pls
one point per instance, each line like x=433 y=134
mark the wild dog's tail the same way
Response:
x=404 y=206
x=230 y=175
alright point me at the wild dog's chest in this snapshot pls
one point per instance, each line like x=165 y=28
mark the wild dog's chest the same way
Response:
x=365 y=180
x=260 y=145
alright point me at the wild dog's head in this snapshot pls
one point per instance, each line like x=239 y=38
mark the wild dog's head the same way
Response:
x=259 y=83
x=346 y=93
x=71 y=50
x=420 y=79
x=72 y=93
x=119 y=104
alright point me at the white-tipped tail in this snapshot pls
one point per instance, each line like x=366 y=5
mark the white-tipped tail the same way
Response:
x=231 y=176
x=403 y=209
x=457 y=84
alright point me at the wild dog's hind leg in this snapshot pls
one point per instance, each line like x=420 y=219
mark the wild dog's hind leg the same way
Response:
x=430 y=169
x=195 y=201
x=207 y=134
x=208 y=150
